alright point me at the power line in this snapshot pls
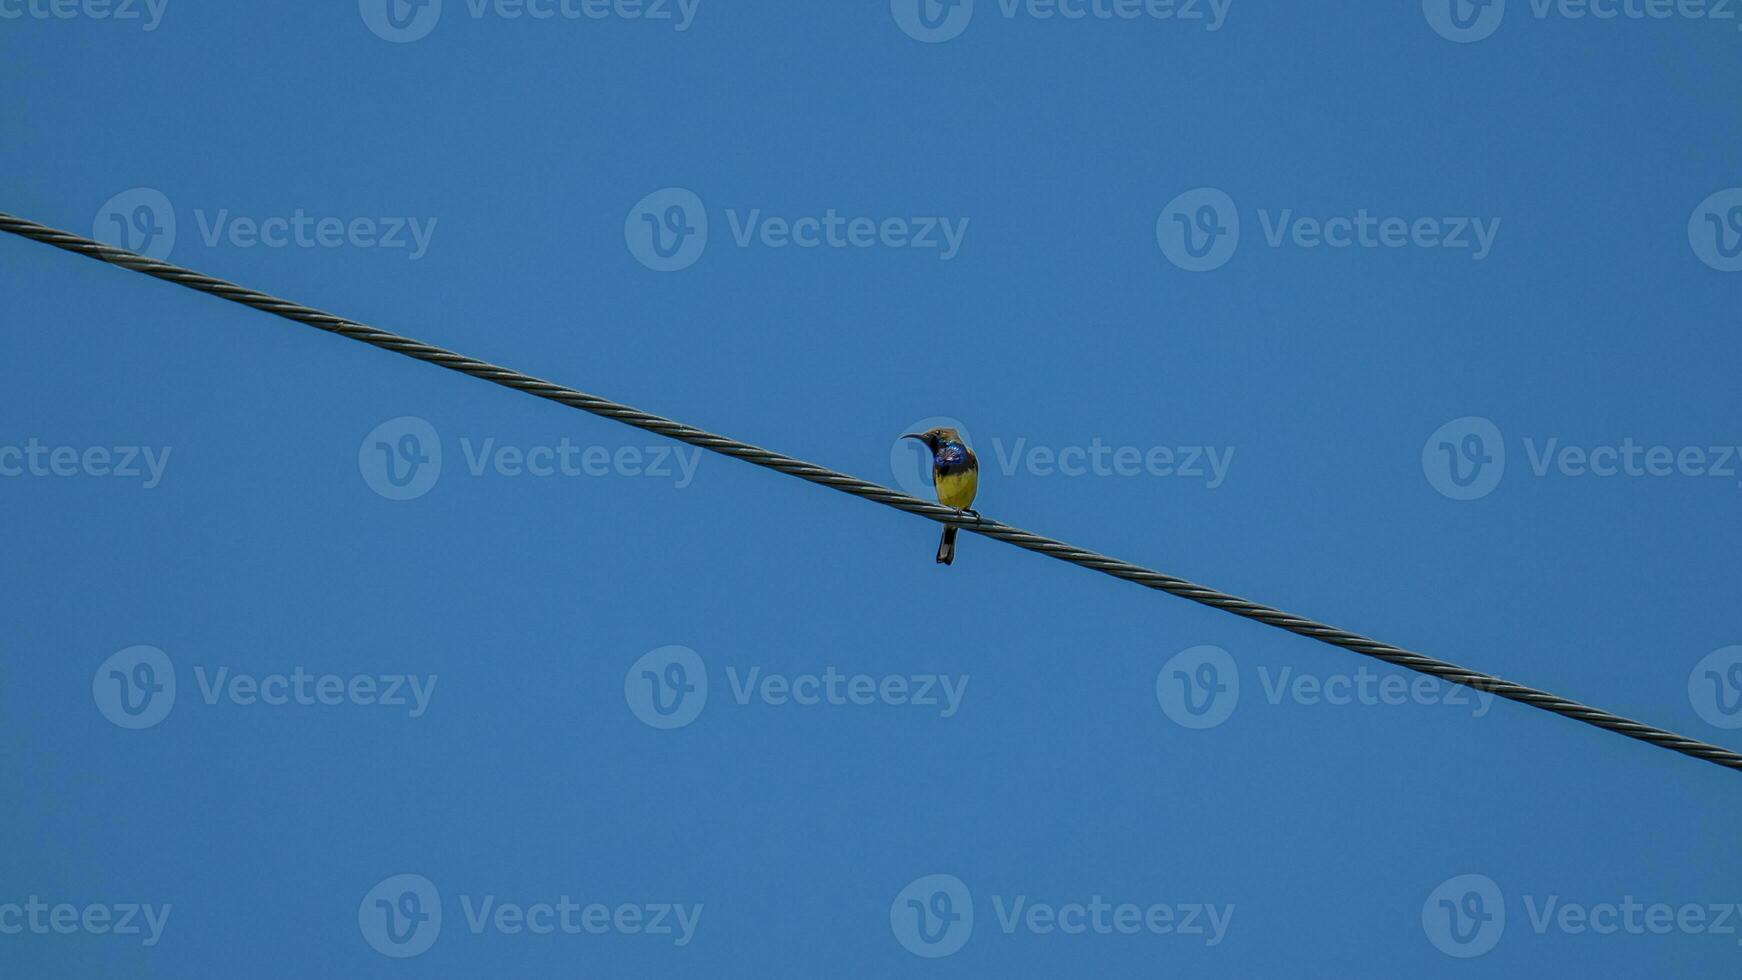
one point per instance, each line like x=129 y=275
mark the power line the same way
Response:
x=860 y=488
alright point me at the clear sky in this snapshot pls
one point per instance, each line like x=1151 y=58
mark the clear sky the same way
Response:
x=1418 y=320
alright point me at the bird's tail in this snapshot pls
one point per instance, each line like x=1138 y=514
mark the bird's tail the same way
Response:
x=947 y=547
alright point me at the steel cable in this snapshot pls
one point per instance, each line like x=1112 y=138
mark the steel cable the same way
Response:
x=870 y=491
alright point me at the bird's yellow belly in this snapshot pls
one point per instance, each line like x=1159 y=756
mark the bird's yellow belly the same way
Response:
x=957 y=489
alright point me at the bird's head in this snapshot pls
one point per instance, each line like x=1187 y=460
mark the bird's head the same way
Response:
x=933 y=438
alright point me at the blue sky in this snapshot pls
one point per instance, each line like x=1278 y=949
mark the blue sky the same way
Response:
x=1413 y=318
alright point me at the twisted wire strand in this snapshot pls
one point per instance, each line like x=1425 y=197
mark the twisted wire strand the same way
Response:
x=824 y=476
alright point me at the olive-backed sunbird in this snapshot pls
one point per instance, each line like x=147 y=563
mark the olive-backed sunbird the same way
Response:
x=955 y=473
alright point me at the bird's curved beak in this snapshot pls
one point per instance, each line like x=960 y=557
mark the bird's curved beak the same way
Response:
x=910 y=435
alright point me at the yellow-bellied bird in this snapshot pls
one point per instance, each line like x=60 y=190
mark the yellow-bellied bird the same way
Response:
x=956 y=474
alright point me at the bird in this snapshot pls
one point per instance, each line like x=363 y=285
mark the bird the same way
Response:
x=955 y=473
